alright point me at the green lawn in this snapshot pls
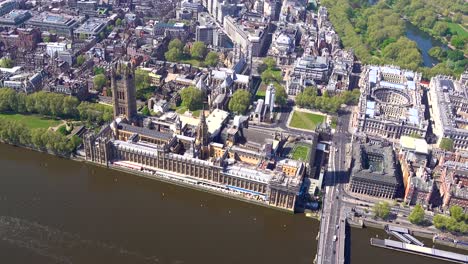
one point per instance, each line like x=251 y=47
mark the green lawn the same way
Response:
x=273 y=76
x=306 y=120
x=457 y=28
x=32 y=121
x=193 y=62
x=301 y=152
x=261 y=92
x=277 y=73
x=182 y=109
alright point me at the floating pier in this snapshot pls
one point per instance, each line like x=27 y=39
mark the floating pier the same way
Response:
x=419 y=250
x=403 y=234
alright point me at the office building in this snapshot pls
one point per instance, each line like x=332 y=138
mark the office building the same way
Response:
x=7 y=6
x=91 y=28
x=14 y=19
x=374 y=171
x=448 y=105
x=56 y=23
x=250 y=35
x=390 y=103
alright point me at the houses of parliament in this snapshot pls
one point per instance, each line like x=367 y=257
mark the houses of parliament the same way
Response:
x=181 y=151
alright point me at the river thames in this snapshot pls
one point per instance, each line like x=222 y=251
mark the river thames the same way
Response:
x=54 y=210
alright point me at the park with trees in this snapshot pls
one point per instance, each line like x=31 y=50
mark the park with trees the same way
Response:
x=377 y=32
x=42 y=139
x=47 y=106
x=54 y=106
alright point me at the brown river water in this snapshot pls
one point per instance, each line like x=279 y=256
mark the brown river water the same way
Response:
x=54 y=210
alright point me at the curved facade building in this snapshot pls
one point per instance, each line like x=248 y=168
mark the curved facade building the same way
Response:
x=390 y=104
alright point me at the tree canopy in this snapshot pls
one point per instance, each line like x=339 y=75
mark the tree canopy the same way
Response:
x=403 y=52
x=198 y=50
x=80 y=60
x=270 y=63
x=417 y=215
x=173 y=54
x=98 y=70
x=99 y=81
x=381 y=210
x=456 y=223
x=175 y=50
x=142 y=79
x=212 y=59
x=192 y=98
x=39 y=138
x=329 y=104
x=240 y=101
x=6 y=63
x=118 y=22
x=176 y=43
x=280 y=95
x=53 y=105
x=145 y=111
x=446 y=144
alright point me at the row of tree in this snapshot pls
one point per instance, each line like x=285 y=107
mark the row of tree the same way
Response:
x=192 y=99
x=198 y=51
x=309 y=98
x=457 y=222
x=16 y=133
x=53 y=105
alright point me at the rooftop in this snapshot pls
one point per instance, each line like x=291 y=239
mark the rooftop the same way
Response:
x=374 y=163
x=215 y=120
x=16 y=16
x=418 y=145
x=249 y=174
x=92 y=26
x=393 y=95
x=55 y=19
x=145 y=131
x=446 y=92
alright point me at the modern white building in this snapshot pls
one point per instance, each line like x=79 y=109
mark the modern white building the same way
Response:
x=270 y=98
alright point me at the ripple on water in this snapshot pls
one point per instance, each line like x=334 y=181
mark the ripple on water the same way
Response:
x=63 y=247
